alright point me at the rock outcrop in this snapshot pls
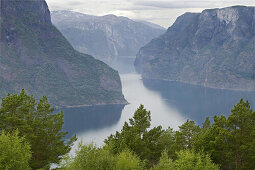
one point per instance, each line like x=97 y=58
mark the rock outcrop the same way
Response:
x=35 y=56
x=104 y=37
x=215 y=48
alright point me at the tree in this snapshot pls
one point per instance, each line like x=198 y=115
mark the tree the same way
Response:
x=187 y=160
x=230 y=141
x=38 y=124
x=168 y=142
x=186 y=135
x=128 y=161
x=241 y=135
x=137 y=138
x=202 y=142
x=165 y=163
x=91 y=158
x=14 y=152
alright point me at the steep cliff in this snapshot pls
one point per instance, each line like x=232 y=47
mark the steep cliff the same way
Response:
x=215 y=48
x=35 y=56
x=104 y=37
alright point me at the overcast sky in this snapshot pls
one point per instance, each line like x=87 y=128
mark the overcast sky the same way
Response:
x=162 y=12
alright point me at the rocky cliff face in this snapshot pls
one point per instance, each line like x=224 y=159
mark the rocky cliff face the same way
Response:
x=104 y=37
x=215 y=48
x=35 y=56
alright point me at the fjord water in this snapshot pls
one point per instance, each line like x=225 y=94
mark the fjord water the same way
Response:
x=170 y=103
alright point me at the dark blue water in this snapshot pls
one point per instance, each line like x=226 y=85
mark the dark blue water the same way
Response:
x=84 y=119
x=170 y=103
x=197 y=102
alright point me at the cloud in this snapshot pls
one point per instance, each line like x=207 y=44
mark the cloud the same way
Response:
x=191 y=3
x=163 y=12
x=174 y=4
x=75 y=3
x=125 y=13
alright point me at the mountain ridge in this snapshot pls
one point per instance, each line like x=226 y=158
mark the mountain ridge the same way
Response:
x=214 y=48
x=36 y=56
x=115 y=35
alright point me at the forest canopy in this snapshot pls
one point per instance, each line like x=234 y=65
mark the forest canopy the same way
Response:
x=32 y=138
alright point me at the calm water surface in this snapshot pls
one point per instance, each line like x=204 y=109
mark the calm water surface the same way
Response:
x=170 y=103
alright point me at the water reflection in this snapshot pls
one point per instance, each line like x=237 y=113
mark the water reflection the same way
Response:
x=136 y=94
x=196 y=102
x=84 y=119
x=170 y=103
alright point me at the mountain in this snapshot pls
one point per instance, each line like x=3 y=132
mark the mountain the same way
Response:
x=104 y=37
x=150 y=24
x=215 y=48
x=36 y=56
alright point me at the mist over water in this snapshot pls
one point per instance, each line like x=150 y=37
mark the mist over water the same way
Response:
x=136 y=94
x=170 y=103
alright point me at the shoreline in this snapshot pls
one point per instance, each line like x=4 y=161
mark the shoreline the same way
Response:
x=90 y=105
x=196 y=84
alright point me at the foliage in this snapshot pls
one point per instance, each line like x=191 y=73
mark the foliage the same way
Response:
x=187 y=160
x=128 y=161
x=92 y=158
x=186 y=135
x=137 y=138
x=227 y=143
x=37 y=123
x=231 y=141
x=165 y=163
x=168 y=141
x=14 y=152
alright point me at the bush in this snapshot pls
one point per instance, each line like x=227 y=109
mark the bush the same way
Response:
x=90 y=157
x=187 y=160
x=14 y=152
x=126 y=160
x=165 y=163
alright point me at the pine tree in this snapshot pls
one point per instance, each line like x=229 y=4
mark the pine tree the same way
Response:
x=40 y=126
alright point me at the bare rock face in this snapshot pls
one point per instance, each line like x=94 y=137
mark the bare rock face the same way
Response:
x=214 y=48
x=35 y=56
x=104 y=37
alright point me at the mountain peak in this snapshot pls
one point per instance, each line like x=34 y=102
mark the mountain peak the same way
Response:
x=36 y=57
x=36 y=9
x=214 y=48
x=115 y=35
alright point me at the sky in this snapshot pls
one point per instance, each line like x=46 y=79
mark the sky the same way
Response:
x=161 y=12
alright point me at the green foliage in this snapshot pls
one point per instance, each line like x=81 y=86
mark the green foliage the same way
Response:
x=187 y=160
x=165 y=163
x=186 y=135
x=37 y=123
x=126 y=160
x=14 y=152
x=168 y=141
x=137 y=138
x=230 y=141
x=90 y=157
x=241 y=133
x=202 y=141
x=227 y=143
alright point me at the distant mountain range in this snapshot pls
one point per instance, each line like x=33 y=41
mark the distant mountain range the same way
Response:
x=215 y=48
x=105 y=37
x=35 y=56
